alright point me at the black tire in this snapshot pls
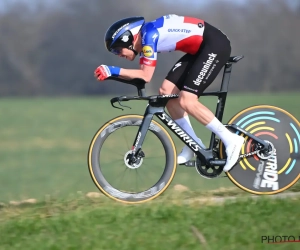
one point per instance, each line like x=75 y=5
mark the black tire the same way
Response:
x=254 y=174
x=95 y=167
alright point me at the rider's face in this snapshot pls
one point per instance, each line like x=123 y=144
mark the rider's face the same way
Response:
x=127 y=53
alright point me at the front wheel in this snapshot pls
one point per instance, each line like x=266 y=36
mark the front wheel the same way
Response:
x=141 y=181
x=279 y=172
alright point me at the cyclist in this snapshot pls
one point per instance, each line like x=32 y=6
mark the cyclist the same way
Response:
x=206 y=50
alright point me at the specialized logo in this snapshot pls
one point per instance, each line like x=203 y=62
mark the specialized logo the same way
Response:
x=154 y=37
x=147 y=51
x=118 y=30
x=205 y=69
x=176 y=66
x=138 y=139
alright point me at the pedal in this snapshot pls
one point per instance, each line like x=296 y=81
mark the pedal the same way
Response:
x=189 y=164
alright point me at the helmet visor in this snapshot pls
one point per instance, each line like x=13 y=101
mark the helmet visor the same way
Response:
x=116 y=51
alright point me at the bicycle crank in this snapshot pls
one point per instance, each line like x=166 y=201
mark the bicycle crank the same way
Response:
x=262 y=154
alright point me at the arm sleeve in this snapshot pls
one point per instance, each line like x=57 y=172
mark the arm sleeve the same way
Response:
x=150 y=37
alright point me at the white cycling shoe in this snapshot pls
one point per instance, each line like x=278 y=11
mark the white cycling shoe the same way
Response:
x=187 y=154
x=233 y=152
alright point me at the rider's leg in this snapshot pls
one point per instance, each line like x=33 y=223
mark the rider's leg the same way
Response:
x=173 y=105
x=232 y=142
x=181 y=118
x=175 y=110
x=209 y=61
x=173 y=84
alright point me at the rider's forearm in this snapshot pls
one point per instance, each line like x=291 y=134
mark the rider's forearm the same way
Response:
x=134 y=73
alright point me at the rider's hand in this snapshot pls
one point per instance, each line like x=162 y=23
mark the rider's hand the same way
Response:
x=104 y=71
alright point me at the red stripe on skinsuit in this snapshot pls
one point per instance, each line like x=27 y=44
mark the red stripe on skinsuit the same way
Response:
x=192 y=20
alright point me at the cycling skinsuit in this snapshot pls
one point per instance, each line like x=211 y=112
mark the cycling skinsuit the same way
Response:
x=207 y=50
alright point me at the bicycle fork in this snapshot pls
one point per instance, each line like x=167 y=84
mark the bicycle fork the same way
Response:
x=136 y=152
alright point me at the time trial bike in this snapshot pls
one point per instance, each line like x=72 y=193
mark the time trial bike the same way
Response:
x=269 y=161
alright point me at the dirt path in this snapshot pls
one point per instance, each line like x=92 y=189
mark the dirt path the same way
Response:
x=233 y=198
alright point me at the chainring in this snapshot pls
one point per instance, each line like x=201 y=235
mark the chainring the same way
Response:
x=207 y=171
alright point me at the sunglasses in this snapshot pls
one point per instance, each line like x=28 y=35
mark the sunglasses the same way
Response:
x=116 y=51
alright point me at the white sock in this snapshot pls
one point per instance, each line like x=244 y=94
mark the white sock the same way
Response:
x=221 y=131
x=185 y=123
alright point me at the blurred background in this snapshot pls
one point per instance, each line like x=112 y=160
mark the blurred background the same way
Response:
x=51 y=47
x=51 y=105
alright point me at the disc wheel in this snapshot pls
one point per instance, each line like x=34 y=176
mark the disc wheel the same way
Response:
x=278 y=172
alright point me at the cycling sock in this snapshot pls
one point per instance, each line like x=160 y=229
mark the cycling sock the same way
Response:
x=221 y=131
x=185 y=123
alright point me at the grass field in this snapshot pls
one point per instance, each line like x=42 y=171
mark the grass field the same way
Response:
x=101 y=224
x=44 y=142
x=43 y=155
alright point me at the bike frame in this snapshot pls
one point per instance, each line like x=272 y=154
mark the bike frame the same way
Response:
x=156 y=106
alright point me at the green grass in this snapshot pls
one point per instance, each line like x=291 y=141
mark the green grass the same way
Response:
x=81 y=223
x=44 y=142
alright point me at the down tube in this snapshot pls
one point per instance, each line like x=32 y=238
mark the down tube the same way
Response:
x=184 y=137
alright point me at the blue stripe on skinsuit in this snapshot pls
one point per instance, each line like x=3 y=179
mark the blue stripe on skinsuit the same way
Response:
x=159 y=22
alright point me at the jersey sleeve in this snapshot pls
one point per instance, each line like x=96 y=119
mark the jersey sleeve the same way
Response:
x=150 y=37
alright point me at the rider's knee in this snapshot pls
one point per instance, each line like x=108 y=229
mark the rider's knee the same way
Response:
x=163 y=91
x=187 y=102
x=184 y=103
x=168 y=88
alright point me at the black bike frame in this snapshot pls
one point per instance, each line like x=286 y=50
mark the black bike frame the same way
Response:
x=156 y=106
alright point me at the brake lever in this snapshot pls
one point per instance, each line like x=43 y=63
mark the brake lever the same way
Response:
x=123 y=106
x=117 y=99
x=112 y=104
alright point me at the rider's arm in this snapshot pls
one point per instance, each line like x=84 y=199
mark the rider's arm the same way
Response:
x=148 y=55
x=146 y=72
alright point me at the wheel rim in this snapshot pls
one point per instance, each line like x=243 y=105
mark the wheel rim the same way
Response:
x=130 y=197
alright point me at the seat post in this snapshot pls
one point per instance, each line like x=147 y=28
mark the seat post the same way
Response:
x=142 y=92
x=221 y=99
x=226 y=77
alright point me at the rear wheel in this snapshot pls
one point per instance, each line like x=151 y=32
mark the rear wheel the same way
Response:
x=141 y=181
x=255 y=174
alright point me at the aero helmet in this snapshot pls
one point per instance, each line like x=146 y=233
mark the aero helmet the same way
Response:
x=122 y=32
